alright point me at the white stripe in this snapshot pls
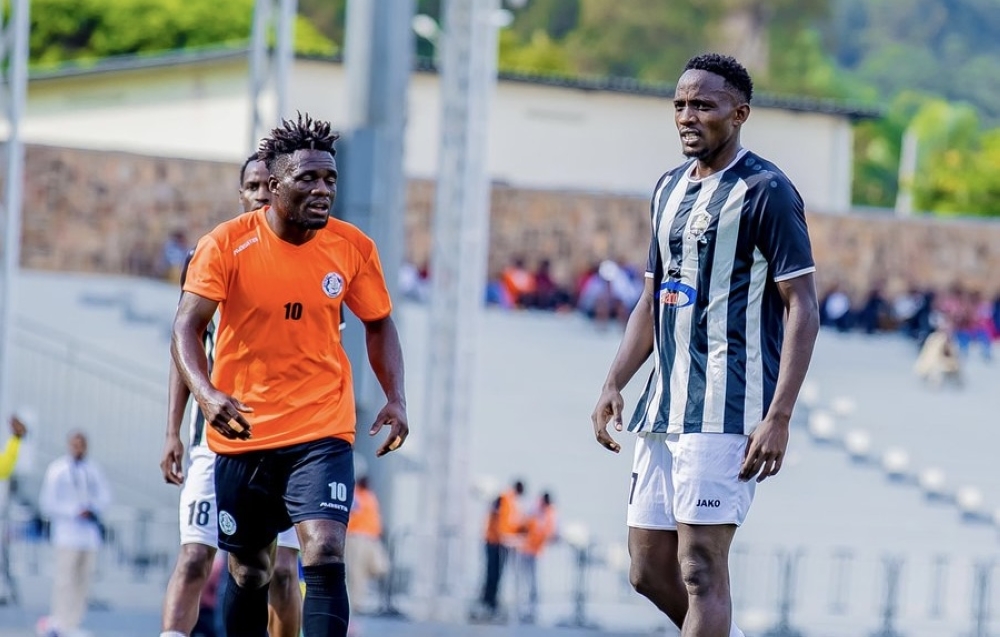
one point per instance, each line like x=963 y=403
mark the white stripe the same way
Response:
x=681 y=370
x=716 y=368
x=663 y=239
x=753 y=406
x=794 y=275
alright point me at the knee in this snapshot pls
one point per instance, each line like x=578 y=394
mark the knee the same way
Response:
x=194 y=563
x=642 y=579
x=249 y=573
x=284 y=578
x=704 y=572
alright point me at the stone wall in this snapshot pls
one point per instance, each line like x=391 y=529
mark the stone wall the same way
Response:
x=110 y=212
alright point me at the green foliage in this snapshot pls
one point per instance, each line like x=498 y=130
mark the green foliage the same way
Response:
x=63 y=30
x=539 y=55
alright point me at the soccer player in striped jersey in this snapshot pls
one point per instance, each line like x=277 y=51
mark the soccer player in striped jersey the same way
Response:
x=729 y=314
x=198 y=511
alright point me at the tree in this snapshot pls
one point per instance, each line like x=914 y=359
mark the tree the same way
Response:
x=64 y=30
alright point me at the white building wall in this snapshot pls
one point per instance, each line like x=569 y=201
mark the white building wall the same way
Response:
x=540 y=136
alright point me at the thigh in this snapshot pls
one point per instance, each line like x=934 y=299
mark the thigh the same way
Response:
x=654 y=551
x=320 y=481
x=198 y=516
x=248 y=491
x=651 y=490
x=707 y=489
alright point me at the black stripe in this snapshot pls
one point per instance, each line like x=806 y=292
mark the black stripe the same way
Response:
x=198 y=431
x=697 y=370
x=736 y=326
x=668 y=345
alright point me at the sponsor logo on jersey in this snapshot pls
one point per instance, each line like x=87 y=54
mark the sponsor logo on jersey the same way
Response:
x=677 y=294
x=246 y=244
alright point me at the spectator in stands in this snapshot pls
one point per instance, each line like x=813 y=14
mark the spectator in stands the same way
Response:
x=872 y=314
x=74 y=495
x=975 y=321
x=938 y=360
x=609 y=293
x=540 y=530
x=548 y=295
x=174 y=255
x=366 y=557
x=412 y=282
x=835 y=309
x=518 y=282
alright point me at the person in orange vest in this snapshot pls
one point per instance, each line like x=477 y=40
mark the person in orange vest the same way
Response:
x=540 y=530
x=366 y=558
x=503 y=529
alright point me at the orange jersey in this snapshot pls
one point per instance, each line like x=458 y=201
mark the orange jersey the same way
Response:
x=541 y=528
x=278 y=347
x=365 y=516
x=510 y=522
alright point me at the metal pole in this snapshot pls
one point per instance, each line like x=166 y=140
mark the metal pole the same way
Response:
x=16 y=38
x=285 y=54
x=458 y=268
x=378 y=56
x=258 y=67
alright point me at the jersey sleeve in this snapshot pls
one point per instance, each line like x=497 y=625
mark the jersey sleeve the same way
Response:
x=367 y=295
x=208 y=272
x=782 y=235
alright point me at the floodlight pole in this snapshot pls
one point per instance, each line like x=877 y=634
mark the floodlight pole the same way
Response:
x=14 y=51
x=460 y=231
x=266 y=65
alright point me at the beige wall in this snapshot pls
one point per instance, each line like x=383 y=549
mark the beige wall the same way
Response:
x=541 y=137
x=110 y=212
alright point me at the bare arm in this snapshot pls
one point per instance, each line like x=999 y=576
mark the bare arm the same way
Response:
x=193 y=315
x=766 y=449
x=386 y=358
x=178 y=394
x=635 y=348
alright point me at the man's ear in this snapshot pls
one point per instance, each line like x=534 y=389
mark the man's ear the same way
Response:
x=742 y=114
x=272 y=184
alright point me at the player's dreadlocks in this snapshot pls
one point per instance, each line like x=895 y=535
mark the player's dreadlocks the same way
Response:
x=733 y=72
x=304 y=134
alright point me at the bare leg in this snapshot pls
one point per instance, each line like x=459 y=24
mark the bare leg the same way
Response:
x=180 y=606
x=285 y=596
x=655 y=572
x=703 y=553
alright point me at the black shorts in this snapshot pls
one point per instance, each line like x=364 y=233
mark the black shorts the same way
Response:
x=262 y=493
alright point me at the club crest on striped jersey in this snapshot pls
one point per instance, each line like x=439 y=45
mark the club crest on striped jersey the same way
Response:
x=333 y=285
x=677 y=294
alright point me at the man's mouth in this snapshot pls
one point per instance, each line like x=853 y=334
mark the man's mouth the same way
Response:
x=319 y=206
x=689 y=137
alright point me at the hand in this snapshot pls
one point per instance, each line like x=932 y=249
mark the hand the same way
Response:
x=172 y=464
x=394 y=415
x=17 y=427
x=609 y=409
x=225 y=414
x=765 y=449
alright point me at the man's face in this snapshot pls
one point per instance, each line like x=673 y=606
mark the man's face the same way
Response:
x=305 y=190
x=78 y=447
x=707 y=114
x=253 y=191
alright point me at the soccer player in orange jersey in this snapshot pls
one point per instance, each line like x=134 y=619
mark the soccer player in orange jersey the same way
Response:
x=198 y=509
x=280 y=399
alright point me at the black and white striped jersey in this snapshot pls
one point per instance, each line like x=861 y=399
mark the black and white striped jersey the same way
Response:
x=720 y=246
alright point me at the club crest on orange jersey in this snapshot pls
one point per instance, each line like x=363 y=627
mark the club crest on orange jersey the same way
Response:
x=677 y=294
x=333 y=285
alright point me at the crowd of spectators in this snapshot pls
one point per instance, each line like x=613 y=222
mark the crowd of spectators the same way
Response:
x=967 y=315
x=605 y=292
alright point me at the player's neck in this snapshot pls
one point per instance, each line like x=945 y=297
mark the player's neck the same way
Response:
x=287 y=232
x=718 y=162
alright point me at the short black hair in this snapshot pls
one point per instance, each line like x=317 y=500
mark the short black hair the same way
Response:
x=243 y=170
x=727 y=67
x=304 y=133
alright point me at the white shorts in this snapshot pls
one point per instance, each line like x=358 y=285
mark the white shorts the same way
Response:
x=198 y=514
x=688 y=479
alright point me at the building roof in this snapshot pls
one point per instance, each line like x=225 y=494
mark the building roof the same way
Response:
x=606 y=84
